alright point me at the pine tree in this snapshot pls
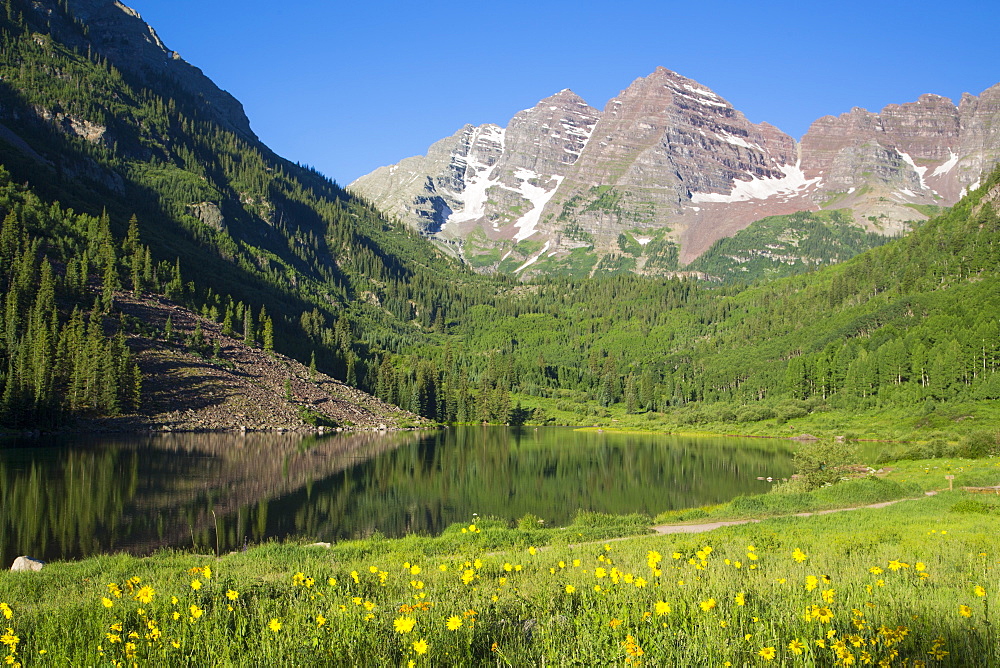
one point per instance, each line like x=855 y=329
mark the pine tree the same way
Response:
x=249 y=334
x=268 y=334
x=227 y=320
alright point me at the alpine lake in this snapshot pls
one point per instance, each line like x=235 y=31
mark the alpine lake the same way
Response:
x=68 y=497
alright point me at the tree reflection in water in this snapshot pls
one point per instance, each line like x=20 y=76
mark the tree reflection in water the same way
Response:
x=66 y=498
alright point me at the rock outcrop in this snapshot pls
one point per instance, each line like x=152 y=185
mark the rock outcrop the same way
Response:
x=669 y=167
x=22 y=564
x=118 y=33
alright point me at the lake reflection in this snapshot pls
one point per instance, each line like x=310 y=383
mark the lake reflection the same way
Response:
x=71 y=497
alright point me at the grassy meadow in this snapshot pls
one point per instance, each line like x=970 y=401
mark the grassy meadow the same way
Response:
x=915 y=583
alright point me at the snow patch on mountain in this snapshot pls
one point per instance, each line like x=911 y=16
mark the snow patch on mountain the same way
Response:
x=538 y=197
x=921 y=171
x=737 y=141
x=793 y=183
x=478 y=177
x=946 y=166
x=532 y=260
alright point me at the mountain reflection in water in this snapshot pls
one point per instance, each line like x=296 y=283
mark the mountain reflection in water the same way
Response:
x=67 y=497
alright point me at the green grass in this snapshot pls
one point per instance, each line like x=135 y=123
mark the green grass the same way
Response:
x=898 y=584
x=933 y=422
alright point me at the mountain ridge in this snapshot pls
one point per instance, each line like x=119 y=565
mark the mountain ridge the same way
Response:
x=669 y=156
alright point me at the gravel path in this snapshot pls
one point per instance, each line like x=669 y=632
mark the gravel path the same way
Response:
x=665 y=529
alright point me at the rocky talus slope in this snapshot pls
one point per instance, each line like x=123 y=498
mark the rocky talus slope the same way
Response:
x=245 y=388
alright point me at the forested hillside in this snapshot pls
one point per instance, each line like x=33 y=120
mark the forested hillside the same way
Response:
x=785 y=245
x=267 y=247
x=914 y=321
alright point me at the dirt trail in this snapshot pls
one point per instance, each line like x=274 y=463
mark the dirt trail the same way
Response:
x=665 y=529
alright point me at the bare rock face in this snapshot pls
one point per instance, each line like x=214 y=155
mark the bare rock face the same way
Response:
x=71 y=125
x=487 y=182
x=928 y=152
x=668 y=162
x=210 y=214
x=426 y=190
x=657 y=144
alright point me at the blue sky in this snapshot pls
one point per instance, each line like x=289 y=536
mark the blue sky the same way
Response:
x=347 y=87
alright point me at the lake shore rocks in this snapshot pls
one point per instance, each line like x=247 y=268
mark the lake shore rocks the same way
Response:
x=26 y=564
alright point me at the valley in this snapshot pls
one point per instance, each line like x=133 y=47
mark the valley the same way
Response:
x=333 y=420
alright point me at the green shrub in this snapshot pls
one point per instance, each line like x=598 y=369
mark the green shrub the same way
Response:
x=978 y=444
x=865 y=491
x=816 y=462
x=976 y=506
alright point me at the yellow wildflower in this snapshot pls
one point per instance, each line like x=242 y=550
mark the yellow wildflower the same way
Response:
x=6 y=611
x=796 y=646
x=799 y=556
x=767 y=653
x=106 y=602
x=145 y=595
x=420 y=647
x=662 y=608
x=10 y=640
x=196 y=584
x=404 y=624
x=741 y=599
x=980 y=591
x=454 y=623
x=570 y=589
x=274 y=625
x=232 y=594
x=708 y=605
x=965 y=611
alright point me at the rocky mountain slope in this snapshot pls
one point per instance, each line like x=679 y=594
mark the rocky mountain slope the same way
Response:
x=668 y=168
